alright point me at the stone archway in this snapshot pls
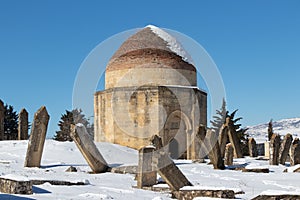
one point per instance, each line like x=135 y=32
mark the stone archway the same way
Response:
x=177 y=132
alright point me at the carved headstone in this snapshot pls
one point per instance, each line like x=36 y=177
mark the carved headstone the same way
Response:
x=234 y=139
x=284 y=148
x=147 y=175
x=295 y=152
x=252 y=147
x=23 y=125
x=198 y=150
x=169 y=171
x=37 y=138
x=223 y=137
x=267 y=149
x=274 y=149
x=156 y=141
x=88 y=148
x=228 y=159
x=1 y=120
x=214 y=150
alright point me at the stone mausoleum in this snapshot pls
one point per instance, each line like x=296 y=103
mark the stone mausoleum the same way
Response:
x=151 y=89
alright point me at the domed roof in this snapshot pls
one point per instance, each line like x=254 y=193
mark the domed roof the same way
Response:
x=152 y=37
x=150 y=57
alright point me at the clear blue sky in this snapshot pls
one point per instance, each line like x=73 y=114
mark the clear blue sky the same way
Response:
x=255 y=44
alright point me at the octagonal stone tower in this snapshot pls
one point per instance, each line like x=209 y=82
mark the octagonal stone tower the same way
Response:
x=151 y=89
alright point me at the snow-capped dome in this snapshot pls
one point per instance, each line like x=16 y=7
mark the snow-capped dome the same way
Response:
x=152 y=37
x=151 y=53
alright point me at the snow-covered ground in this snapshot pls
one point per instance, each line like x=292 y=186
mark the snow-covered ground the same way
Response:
x=282 y=127
x=58 y=156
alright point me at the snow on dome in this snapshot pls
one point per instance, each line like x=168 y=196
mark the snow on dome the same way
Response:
x=173 y=44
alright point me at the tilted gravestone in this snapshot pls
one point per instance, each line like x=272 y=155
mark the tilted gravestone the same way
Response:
x=234 y=139
x=284 y=148
x=147 y=175
x=274 y=149
x=1 y=120
x=88 y=148
x=252 y=147
x=228 y=159
x=37 y=138
x=295 y=152
x=23 y=125
x=214 y=150
x=169 y=171
x=223 y=137
x=156 y=141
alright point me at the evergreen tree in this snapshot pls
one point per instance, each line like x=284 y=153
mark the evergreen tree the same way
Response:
x=10 y=123
x=70 y=117
x=220 y=117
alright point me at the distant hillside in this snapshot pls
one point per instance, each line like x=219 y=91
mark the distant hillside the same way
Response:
x=284 y=126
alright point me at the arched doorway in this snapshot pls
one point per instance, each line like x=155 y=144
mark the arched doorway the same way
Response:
x=176 y=130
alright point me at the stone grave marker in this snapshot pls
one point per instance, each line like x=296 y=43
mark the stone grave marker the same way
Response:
x=223 y=137
x=214 y=150
x=88 y=148
x=234 y=139
x=169 y=171
x=295 y=152
x=156 y=142
x=252 y=147
x=285 y=148
x=23 y=125
x=147 y=175
x=274 y=149
x=228 y=159
x=37 y=138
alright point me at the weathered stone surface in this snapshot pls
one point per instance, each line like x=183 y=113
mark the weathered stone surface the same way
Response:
x=274 y=149
x=285 y=148
x=234 y=139
x=124 y=169
x=277 y=197
x=88 y=148
x=147 y=175
x=121 y=121
x=71 y=169
x=252 y=147
x=260 y=149
x=143 y=90
x=156 y=141
x=23 y=125
x=1 y=120
x=37 y=138
x=169 y=171
x=295 y=152
x=198 y=150
x=191 y=194
x=214 y=153
x=223 y=137
x=256 y=170
x=267 y=149
x=228 y=159
x=12 y=186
